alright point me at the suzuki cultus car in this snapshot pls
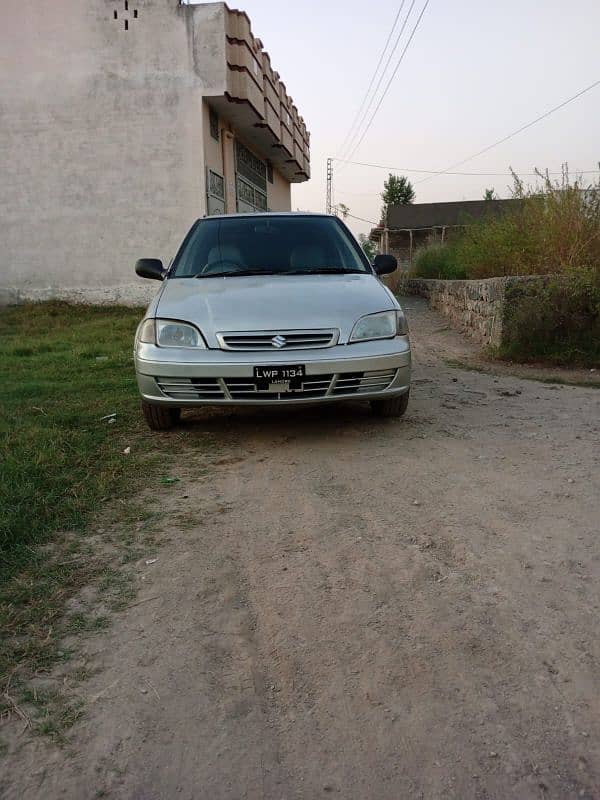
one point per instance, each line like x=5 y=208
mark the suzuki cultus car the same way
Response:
x=270 y=309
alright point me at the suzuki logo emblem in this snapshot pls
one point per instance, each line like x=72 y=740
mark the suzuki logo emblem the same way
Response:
x=279 y=341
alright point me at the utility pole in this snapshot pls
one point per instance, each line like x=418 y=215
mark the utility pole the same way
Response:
x=329 y=199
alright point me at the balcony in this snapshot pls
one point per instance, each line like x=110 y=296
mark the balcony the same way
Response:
x=256 y=102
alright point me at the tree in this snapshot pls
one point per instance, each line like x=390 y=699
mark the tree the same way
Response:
x=343 y=209
x=397 y=191
x=368 y=246
x=490 y=194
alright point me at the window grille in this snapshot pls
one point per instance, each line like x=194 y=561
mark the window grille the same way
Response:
x=215 y=193
x=214 y=124
x=250 y=167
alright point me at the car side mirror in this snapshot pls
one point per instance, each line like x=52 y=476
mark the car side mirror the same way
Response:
x=384 y=264
x=150 y=268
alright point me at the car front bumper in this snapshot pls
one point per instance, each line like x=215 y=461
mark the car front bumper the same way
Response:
x=186 y=378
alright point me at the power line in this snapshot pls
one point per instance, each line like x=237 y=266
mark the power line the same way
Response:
x=364 y=100
x=434 y=172
x=514 y=133
x=370 y=221
x=393 y=75
x=381 y=77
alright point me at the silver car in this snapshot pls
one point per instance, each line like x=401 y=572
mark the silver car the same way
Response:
x=270 y=309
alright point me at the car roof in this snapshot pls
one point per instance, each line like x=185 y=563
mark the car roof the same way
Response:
x=269 y=214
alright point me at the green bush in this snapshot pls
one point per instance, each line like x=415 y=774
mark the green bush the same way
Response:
x=437 y=260
x=554 y=230
x=554 y=319
x=497 y=246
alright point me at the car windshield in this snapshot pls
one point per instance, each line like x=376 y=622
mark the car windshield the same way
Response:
x=274 y=245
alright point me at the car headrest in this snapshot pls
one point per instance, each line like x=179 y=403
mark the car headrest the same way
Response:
x=308 y=256
x=225 y=252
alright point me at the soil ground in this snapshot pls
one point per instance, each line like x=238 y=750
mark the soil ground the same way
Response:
x=351 y=607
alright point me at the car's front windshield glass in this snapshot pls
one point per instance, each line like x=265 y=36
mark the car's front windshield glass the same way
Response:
x=279 y=245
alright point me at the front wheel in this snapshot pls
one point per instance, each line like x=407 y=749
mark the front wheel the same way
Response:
x=160 y=418
x=391 y=406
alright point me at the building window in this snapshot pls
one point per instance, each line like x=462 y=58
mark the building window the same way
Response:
x=216 y=184
x=269 y=172
x=245 y=192
x=215 y=192
x=249 y=198
x=260 y=201
x=214 y=124
x=250 y=167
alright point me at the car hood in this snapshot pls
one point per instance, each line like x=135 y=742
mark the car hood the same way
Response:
x=273 y=302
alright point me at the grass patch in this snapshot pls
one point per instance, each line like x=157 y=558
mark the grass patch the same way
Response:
x=436 y=260
x=66 y=367
x=556 y=320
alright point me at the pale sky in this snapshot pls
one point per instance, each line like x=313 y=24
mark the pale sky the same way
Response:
x=475 y=71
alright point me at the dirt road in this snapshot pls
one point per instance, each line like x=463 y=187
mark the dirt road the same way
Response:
x=359 y=608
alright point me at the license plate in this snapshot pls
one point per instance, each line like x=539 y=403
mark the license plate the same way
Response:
x=279 y=379
x=279 y=374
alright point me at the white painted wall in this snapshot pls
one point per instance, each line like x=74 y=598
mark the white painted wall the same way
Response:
x=101 y=135
x=104 y=139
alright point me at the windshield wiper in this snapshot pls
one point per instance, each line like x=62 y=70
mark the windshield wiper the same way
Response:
x=237 y=273
x=326 y=271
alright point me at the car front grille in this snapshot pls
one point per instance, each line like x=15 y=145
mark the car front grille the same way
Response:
x=311 y=387
x=191 y=388
x=278 y=340
x=362 y=382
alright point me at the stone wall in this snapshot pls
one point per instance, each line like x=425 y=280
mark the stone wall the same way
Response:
x=476 y=307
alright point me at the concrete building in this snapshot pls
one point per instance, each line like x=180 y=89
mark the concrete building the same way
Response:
x=125 y=120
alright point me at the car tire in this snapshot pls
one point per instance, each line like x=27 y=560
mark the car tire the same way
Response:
x=391 y=406
x=160 y=418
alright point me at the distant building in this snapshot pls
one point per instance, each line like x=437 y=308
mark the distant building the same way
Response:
x=409 y=227
x=125 y=120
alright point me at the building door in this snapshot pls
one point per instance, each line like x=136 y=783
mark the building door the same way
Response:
x=250 y=180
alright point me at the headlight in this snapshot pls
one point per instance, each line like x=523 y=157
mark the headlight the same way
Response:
x=170 y=333
x=384 y=325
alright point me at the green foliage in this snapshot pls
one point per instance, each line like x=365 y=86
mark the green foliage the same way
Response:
x=490 y=194
x=555 y=229
x=554 y=319
x=437 y=260
x=554 y=232
x=368 y=246
x=65 y=367
x=397 y=191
